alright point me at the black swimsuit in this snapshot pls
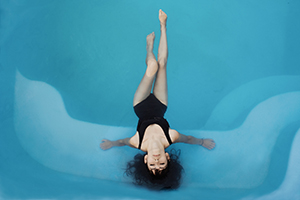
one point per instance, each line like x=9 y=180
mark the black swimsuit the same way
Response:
x=151 y=111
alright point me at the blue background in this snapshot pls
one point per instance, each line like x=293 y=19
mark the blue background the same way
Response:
x=225 y=58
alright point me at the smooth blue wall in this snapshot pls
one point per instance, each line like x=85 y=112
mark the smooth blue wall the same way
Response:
x=69 y=69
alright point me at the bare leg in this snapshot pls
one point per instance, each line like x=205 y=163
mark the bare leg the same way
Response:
x=145 y=86
x=160 y=89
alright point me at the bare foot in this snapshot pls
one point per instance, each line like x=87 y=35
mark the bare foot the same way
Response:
x=208 y=143
x=162 y=17
x=150 y=41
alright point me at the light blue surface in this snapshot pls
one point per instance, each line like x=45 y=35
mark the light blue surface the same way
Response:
x=69 y=70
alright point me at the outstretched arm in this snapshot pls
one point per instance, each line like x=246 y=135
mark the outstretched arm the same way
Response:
x=107 y=144
x=207 y=143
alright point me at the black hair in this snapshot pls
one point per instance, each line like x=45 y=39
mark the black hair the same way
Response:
x=167 y=179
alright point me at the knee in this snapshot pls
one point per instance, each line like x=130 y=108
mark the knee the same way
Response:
x=162 y=62
x=151 y=63
x=152 y=67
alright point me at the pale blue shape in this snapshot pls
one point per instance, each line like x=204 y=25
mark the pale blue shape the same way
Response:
x=216 y=47
x=240 y=160
x=233 y=109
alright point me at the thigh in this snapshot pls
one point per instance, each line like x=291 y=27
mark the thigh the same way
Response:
x=143 y=90
x=160 y=89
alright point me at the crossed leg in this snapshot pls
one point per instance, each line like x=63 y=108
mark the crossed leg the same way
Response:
x=145 y=86
x=155 y=70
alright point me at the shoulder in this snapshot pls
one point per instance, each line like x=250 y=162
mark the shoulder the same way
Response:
x=134 y=140
x=174 y=135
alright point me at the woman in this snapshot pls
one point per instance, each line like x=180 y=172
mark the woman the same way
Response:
x=153 y=132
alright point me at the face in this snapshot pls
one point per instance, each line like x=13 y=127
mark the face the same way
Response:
x=156 y=161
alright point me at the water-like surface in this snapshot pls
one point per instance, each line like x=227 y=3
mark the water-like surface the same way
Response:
x=69 y=71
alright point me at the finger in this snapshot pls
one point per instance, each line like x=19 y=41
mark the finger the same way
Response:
x=104 y=140
x=102 y=147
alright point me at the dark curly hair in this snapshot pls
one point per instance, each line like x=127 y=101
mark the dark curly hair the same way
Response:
x=167 y=179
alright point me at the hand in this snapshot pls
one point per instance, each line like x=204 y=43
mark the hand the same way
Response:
x=106 y=144
x=208 y=143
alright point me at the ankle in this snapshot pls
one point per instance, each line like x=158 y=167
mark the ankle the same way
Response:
x=163 y=24
x=149 y=49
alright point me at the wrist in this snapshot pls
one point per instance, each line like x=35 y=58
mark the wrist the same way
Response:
x=201 y=141
x=114 y=143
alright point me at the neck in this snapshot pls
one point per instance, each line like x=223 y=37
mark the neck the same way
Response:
x=154 y=145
